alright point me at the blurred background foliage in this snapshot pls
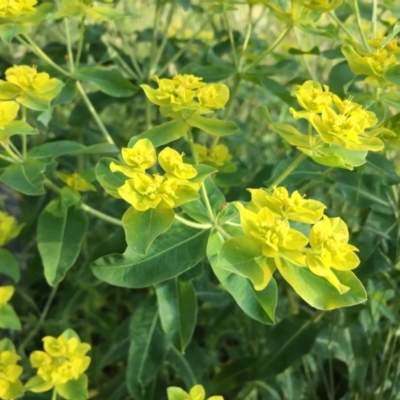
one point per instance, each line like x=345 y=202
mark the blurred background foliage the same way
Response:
x=343 y=354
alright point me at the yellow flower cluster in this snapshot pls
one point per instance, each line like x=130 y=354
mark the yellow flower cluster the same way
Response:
x=267 y=221
x=6 y=292
x=341 y=122
x=76 y=182
x=63 y=359
x=10 y=385
x=16 y=8
x=143 y=191
x=197 y=392
x=374 y=64
x=28 y=87
x=217 y=157
x=187 y=92
x=9 y=229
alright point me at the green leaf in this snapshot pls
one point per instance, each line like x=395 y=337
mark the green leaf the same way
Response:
x=26 y=177
x=8 y=318
x=292 y=135
x=181 y=366
x=162 y=134
x=75 y=389
x=172 y=253
x=212 y=126
x=109 y=81
x=9 y=265
x=318 y=292
x=110 y=181
x=197 y=209
x=9 y=30
x=383 y=167
x=210 y=73
x=105 y=13
x=392 y=74
x=142 y=227
x=177 y=305
x=148 y=348
x=259 y=305
x=60 y=234
x=17 y=128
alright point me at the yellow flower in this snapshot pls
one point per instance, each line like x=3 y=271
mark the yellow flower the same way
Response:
x=6 y=292
x=330 y=250
x=197 y=392
x=219 y=155
x=213 y=96
x=8 y=112
x=10 y=384
x=76 y=182
x=172 y=163
x=274 y=232
x=138 y=158
x=16 y=8
x=63 y=359
x=313 y=97
x=30 y=88
x=9 y=229
x=202 y=152
x=294 y=207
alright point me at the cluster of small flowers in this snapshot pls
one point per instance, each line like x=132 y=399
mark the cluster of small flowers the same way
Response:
x=341 y=122
x=177 y=186
x=266 y=221
x=373 y=64
x=197 y=392
x=27 y=87
x=17 y=8
x=218 y=156
x=188 y=92
x=63 y=359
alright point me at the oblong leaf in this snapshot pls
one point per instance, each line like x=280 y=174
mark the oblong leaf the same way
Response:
x=59 y=235
x=9 y=265
x=171 y=254
x=212 y=126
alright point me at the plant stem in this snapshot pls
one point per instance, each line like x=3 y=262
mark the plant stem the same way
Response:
x=359 y=24
x=153 y=48
x=24 y=138
x=10 y=152
x=203 y=189
x=269 y=50
x=288 y=170
x=54 y=395
x=69 y=46
x=94 y=113
x=42 y=318
x=101 y=215
x=8 y=159
x=374 y=19
x=231 y=39
x=247 y=37
x=28 y=42
x=341 y=26
x=192 y=224
x=80 y=42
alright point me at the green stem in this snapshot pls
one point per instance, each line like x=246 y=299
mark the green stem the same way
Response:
x=94 y=114
x=221 y=230
x=101 y=215
x=24 y=137
x=8 y=159
x=88 y=209
x=54 y=395
x=69 y=46
x=28 y=42
x=203 y=189
x=288 y=170
x=359 y=24
x=42 y=318
x=153 y=47
x=247 y=37
x=374 y=19
x=192 y=224
x=270 y=49
x=80 y=42
x=231 y=39
x=341 y=26
x=10 y=152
